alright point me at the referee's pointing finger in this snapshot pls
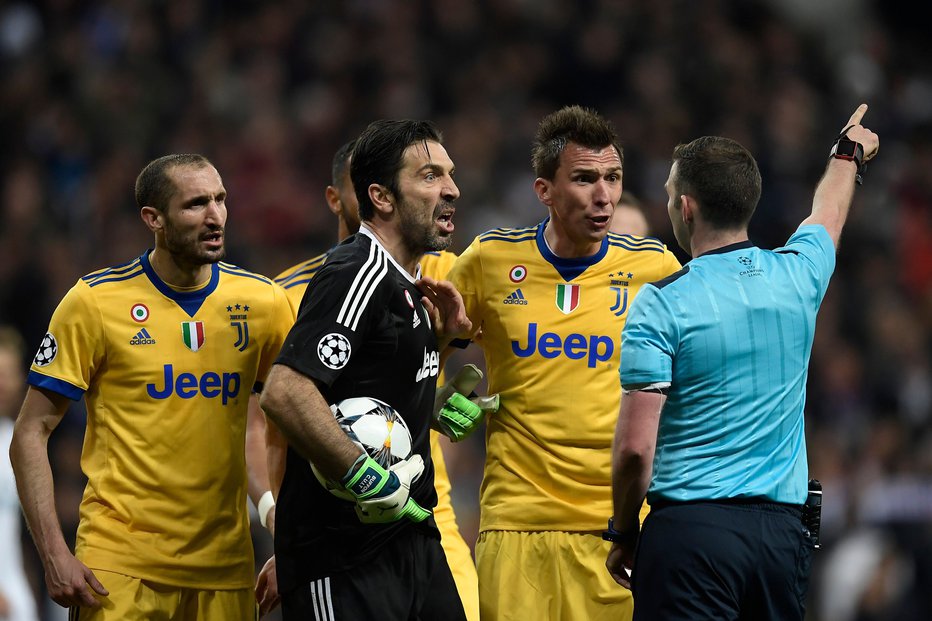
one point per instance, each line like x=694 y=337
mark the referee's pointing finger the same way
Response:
x=857 y=116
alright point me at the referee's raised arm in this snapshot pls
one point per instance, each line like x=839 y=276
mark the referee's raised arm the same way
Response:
x=855 y=146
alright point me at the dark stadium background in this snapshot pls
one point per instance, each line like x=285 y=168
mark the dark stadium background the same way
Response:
x=93 y=89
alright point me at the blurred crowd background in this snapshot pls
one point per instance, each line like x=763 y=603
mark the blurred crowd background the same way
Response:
x=91 y=90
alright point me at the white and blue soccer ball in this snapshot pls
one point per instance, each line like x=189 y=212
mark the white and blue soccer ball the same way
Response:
x=374 y=426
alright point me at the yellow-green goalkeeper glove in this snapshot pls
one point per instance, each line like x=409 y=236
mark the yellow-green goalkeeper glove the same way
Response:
x=383 y=495
x=456 y=414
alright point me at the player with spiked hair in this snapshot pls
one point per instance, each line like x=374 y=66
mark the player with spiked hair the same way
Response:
x=551 y=301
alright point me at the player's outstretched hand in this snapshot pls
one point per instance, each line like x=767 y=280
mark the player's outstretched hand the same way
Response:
x=71 y=583
x=384 y=495
x=860 y=134
x=446 y=308
x=456 y=414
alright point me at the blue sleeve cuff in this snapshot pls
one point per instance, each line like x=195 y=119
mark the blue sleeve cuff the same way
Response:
x=55 y=385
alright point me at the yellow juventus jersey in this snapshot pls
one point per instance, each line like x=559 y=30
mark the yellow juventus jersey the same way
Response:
x=167 y=377
x=294 y=280
x=551 y=333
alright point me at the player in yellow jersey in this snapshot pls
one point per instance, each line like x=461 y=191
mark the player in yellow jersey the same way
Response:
x=166 y=351
x=551 y=301
x=342 y=202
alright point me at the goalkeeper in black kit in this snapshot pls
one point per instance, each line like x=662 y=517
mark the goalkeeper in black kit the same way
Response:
x=370 y=303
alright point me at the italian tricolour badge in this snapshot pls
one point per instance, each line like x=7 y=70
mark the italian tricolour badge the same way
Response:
x=567 y=298
x=192 y=333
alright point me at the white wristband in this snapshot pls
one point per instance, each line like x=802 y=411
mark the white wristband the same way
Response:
x=265 y=505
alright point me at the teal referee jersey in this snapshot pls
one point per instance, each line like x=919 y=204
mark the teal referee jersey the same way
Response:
x=731 y=335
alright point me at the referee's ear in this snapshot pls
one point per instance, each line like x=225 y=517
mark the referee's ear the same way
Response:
x=688 y=209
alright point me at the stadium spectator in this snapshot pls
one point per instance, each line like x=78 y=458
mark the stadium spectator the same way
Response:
x=629 y=218
x=16 y=598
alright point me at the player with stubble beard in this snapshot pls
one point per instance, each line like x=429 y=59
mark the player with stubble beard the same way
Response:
x=380 y=556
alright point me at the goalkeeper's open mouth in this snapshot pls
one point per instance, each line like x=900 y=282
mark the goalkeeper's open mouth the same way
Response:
x=445 y=219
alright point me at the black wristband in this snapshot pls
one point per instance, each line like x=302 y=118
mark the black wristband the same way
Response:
x=616 y=536
x=847 y=149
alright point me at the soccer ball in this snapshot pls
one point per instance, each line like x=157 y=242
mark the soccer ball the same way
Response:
x=375 y=427
x=48 y=349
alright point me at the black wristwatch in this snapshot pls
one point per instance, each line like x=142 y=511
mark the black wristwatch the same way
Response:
x=616 y=536
x=846 y=149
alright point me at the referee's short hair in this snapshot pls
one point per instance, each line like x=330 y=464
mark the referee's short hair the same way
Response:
x=723 y=178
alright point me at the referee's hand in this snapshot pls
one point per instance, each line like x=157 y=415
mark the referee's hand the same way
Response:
x=858 y=133
x=620 y=561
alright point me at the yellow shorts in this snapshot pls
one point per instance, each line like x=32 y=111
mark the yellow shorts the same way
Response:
x=551 y=575
x=132 y=599
x=459 y=556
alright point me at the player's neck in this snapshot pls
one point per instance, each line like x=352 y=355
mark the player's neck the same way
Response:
x=343 y=230
x=177 y=274
x=393 y=242
x=564 y=247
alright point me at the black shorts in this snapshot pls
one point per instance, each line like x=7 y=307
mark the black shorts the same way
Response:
x=409 y=580
x=722 y=561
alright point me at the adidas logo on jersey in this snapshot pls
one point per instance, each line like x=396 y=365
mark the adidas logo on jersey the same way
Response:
x=516 y=297
x=142 y=338
x=417 y=320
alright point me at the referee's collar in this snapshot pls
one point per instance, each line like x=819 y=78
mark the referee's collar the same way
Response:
x=730 y=248
x=365 y=230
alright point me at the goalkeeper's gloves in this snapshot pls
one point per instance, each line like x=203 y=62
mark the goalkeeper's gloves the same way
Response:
x=457 y=415
x=383 y=495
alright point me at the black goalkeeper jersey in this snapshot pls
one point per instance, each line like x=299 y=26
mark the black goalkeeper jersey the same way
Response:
x=361 y=331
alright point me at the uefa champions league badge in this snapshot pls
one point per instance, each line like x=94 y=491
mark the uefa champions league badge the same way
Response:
x=48 y=349
x=517 y=274
x=334 y=350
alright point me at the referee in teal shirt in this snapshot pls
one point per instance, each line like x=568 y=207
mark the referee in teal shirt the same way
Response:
x=714 y=361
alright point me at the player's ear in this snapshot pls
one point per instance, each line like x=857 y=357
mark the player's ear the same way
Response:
x=153 y=218
x=543 y=189
x=381 y=198
x=333 y=200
